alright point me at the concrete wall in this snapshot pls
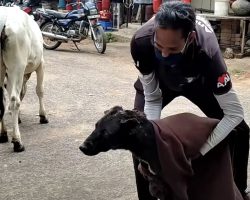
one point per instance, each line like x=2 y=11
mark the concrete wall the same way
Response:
x=205 y=4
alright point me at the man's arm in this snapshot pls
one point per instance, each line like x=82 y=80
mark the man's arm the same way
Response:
x=233 y=115
x=152 y=92
x=221 y=85
x=153 y=96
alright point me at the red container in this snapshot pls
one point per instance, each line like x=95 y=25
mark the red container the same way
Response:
x=156 y=5
x=187 y=1
x=105 y=4
x=105 y=15
x=69 y=7
x=99 y=5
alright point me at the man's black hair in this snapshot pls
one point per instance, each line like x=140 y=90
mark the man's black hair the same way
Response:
x=176 y=15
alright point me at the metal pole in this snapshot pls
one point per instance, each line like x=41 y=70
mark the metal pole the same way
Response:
x=127 y=16
x=118 y=15
x=243 y=37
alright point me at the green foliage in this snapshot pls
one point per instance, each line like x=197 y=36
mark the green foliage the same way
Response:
x=111 y=38
x=237 y=72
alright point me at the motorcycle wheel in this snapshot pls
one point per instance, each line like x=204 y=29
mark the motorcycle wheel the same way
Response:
x=101 y=40
x=49 y=43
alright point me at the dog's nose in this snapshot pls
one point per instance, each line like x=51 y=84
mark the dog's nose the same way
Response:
x=83 y=148
x=86 y=147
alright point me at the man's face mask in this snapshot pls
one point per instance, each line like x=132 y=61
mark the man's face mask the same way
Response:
x=173 y=58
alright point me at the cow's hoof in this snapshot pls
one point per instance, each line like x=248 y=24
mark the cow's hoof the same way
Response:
x=43 y=120
x=3 y=138
x=18 y=147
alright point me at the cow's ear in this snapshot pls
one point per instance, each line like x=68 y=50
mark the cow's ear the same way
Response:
x=113 y=110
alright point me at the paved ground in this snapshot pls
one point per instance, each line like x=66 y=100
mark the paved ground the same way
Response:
x=79 y=86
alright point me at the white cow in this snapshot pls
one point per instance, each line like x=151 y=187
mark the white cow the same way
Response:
x=21 y=45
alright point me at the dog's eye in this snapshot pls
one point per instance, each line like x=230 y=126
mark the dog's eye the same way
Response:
x=105 y=132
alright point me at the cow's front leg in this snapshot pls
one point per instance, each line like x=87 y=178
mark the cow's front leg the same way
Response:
x=16 y=137
x=40 y=92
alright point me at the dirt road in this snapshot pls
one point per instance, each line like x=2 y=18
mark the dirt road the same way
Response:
x=79 y=86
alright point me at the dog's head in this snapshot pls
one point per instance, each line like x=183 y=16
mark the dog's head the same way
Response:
x=115 y=130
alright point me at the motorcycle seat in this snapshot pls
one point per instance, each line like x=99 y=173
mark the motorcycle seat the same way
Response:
x=56 y=14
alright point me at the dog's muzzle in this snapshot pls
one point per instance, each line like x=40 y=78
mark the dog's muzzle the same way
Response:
x=83 y=148
x=88 y=149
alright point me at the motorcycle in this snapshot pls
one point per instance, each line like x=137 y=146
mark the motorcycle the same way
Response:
x=58 y=27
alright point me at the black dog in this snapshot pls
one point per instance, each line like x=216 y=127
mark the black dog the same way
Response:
x=178 y=138
x=124 y=129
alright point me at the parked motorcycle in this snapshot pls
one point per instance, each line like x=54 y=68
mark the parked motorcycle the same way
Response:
x=58 y=27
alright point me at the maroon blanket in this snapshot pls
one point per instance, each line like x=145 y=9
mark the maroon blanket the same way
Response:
x=179 y=138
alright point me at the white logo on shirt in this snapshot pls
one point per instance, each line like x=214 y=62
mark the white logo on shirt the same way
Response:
x=204 y=24
x=223 y=80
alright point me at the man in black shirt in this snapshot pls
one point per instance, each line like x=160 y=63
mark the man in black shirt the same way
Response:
x=177 y=54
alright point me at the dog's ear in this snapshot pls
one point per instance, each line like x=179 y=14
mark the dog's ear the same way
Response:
x=129 y=125
x=140 y=113
x=129 y=117
x=129 y=121
x=113 y=110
